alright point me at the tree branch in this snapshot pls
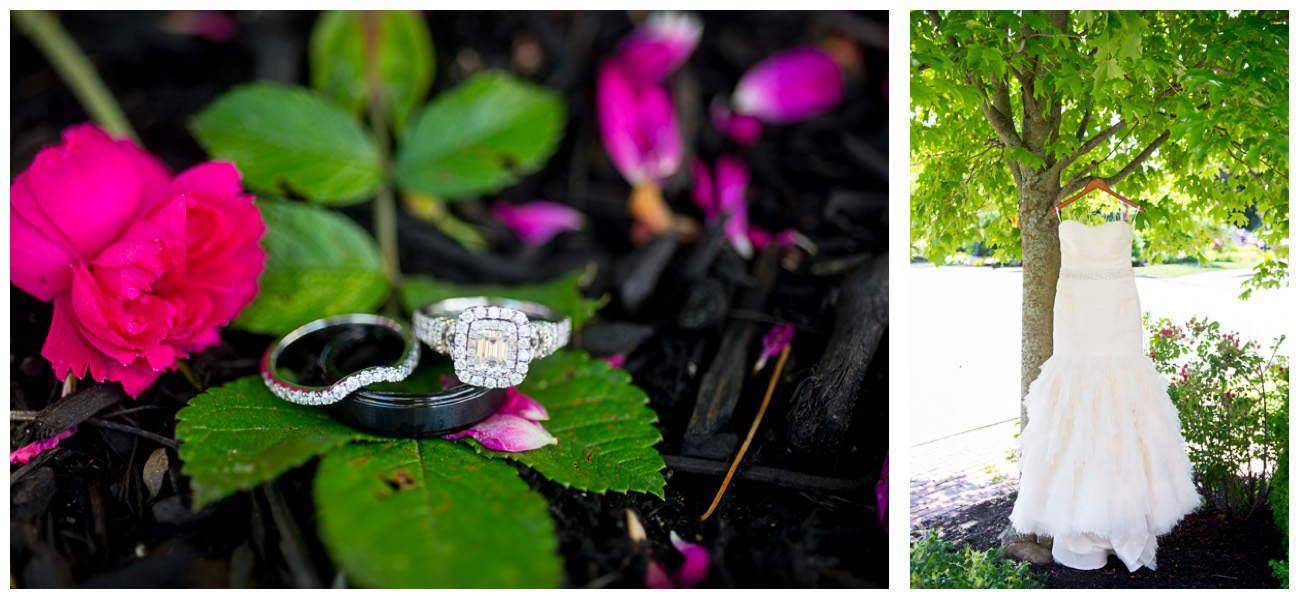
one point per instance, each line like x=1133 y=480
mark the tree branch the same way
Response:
x=998 y=114
x=1124 y=172
x=1088 y=146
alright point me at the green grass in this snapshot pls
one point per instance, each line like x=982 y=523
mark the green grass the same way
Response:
x=1180 y=269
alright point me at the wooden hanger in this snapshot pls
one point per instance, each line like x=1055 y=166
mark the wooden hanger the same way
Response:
x=1095 y=184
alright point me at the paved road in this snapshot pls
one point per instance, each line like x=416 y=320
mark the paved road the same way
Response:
x=965 y=336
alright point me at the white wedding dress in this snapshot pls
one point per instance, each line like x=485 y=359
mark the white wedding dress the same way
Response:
x=1103 y=467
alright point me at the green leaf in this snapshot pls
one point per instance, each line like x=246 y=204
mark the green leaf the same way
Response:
x=405 y=59
x=239 y=435
x=1027 y=158
x=606 y=430
x=429 y=513
x=318 y=264
x=563 y=294
x=287 y=140
x=480 y=137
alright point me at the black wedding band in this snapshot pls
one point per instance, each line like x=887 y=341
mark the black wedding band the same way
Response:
x=407 y=414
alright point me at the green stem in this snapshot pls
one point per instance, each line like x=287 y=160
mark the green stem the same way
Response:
x=75 y=69
x=385 y=203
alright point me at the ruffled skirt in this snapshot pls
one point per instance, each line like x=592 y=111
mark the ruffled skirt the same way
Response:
x=1103 y=469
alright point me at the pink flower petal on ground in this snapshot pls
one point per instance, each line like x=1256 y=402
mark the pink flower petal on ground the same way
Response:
x=694 y=567
x=638 y=126
x=743 y=129
x=762 y=238
x=704 y=193
x=882 y=494
x=524 y=406
x=507 y=433
x=25 y=454
x=659 y=46
x=733 y=182
x=615 y=360
x=213 y=26
x=790 y=86
x=777 y=338
x=537 y=222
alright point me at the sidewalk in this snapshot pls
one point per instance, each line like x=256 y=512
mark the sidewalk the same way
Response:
x=952 y=473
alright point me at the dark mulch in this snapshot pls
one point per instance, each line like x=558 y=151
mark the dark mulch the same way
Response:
x=1207 y=549
x=801 y=516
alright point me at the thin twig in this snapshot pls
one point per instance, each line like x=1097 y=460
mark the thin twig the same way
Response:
x=74 y=68
x=28 y=415
x=771 y=387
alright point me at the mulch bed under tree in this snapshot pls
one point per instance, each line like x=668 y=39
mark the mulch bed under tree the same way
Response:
x=1206 y=549
x=795 y=515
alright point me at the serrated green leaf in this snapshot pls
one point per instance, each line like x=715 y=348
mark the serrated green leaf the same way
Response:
x=318 y=264
x=605 y=429
x=1027 y=158
x=562 y=294
x=429 y=513
x=287 y=140
x=239 y=435
x=405 y=59
x=481 y=136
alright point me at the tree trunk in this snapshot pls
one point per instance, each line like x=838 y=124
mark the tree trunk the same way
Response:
x=1040 y=245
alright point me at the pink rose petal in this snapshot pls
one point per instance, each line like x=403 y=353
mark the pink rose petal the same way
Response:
x=882 y=494
x=507 y=433
x=524 y=406
x=88 y=186
x=659 y=46
x=761 y=238
x=694 y=567
x=25 y=454
x=743 y=129
x=704 y=193
x=733 y=182
x=615 y=360
x=37 y=264
x=777 y=338
x=638 y=126
x=790 y=86
x=537 y=222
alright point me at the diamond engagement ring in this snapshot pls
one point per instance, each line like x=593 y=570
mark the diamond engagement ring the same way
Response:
x=292 y=350
x=491 y=340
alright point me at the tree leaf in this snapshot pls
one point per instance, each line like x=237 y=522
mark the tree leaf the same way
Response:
x=405 y=60
x=318 y=263
x=239 y=435
x=289 y=141
x=563 y=294
x=429 y=513
x=480 y=137
x=606 y=430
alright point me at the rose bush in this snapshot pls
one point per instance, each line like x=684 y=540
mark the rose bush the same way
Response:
x=142 y=267
x=1229 y=394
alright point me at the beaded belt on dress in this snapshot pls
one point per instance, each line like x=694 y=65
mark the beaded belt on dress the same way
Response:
x=1121 y=273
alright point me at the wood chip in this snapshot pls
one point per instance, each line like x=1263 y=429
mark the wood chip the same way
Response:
x=155 y=472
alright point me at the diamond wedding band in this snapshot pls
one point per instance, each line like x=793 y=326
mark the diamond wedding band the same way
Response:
x=292 y=391
x=491 y=340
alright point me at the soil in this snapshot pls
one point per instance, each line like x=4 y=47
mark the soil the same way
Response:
x=1207 y=549
x=794 y=517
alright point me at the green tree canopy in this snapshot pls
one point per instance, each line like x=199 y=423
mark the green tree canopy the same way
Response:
x=1183 y=112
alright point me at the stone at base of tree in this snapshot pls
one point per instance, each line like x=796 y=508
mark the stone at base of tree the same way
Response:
x=1026 y=546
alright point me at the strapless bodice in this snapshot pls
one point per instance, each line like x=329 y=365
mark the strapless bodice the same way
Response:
x=1097 y=311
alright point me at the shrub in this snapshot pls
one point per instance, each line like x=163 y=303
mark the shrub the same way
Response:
x=1230 y=397
x=1281 y=570
x=937 y=565
x=1279 y=497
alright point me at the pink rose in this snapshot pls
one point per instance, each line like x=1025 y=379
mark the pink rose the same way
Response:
x=142 y=268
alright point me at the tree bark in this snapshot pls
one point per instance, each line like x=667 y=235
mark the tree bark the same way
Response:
x=1040 y=245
